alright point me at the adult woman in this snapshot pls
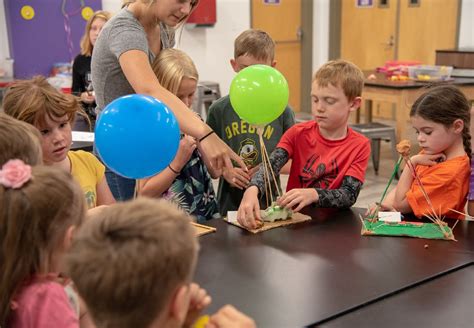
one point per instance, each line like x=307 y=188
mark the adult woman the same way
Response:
x=81 y=68
x=121 y=65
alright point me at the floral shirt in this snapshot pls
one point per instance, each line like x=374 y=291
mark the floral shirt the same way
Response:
x=192 y=190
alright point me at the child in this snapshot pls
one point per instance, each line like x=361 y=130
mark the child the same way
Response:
x=81 y=68
x=38 y=103
x=133 y=271
x=329 y=158
x=186 y=181
x=19 y=140
x=39 y=208
x=441 y=119
x=251 y=47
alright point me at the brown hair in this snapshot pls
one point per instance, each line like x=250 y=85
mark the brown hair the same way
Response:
x=86 y=45
x=19 y=140
x=343 y=74
x=170 y=66
x=32 y=100
x=255 y=43
x=444 y=104
x=127 y=262
x=33 y=221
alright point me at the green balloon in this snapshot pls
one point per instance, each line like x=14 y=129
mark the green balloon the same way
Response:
x=259 y=94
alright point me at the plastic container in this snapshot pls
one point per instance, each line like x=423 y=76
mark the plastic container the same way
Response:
x=429 y=72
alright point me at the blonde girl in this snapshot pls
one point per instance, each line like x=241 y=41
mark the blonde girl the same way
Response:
x=39 y=210
x=186 y=181
x=38 y=103
x=81 y=68
x=19 y=140
x=121 y=65
x=441 y=119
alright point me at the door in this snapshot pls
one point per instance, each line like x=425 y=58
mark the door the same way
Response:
x=281 y=19
x=374 y=31
x=368 y=33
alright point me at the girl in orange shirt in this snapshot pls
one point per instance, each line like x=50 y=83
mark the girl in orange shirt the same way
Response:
x=441 y=119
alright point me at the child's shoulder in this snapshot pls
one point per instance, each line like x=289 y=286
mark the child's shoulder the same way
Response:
x=221 y=104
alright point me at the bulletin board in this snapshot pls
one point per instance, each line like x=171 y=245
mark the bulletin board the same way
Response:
x=40 y=35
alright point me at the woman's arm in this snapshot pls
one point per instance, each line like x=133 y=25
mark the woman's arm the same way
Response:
x=138 y=71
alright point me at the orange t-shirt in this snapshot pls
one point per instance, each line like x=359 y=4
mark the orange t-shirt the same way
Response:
x=446 y=184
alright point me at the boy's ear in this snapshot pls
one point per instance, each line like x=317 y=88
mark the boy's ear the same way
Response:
x=234 y=65
x=274 y=63
x=355 y=103
x=68 y=237
x=179 y=304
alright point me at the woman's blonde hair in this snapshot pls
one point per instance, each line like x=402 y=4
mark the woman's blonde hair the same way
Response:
x=32 y=100
x=34 y=220
x=19 y=140
x=170 y=66
x=86 y=45
x=194 y=4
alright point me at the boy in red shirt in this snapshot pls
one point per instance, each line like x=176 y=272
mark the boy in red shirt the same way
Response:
x=329 y=158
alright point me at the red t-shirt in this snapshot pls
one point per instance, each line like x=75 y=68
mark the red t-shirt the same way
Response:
x=321 y=163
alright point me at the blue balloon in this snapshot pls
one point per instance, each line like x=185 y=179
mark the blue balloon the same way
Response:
x=137 y=136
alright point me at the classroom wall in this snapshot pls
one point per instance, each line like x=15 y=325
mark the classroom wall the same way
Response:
x=211 y=48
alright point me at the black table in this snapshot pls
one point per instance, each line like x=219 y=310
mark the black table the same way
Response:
x=312 y=272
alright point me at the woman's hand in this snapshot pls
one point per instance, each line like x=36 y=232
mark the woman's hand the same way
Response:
x=218 y=154
x=87 y=97
x=249 y=209
x=299 y=197
x=185 y=150
x=237 y=177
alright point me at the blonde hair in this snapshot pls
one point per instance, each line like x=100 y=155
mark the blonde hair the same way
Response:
x=343 y=74
x=127 y=263
x=170 y=66
x=255 y=43
x=19 y=140
x=86 y=45
x=33 y=222
x=194 y=4
x=32 y=100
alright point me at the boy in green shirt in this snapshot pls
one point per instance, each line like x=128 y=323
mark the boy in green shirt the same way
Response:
x=251 y=47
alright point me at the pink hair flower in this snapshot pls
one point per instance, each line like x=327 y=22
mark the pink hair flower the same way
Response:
x=14 y=174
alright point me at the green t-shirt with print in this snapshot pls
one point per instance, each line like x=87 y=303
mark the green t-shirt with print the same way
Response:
x=243 y=139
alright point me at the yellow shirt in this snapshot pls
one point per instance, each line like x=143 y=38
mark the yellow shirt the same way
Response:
x=88 y=172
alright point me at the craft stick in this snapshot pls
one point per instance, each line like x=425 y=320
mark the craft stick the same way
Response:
x=452 y=229
x=203 y=226
x=469 y=216
x=395 y=170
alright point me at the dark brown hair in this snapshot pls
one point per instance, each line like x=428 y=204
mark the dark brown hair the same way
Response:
x=444 y=104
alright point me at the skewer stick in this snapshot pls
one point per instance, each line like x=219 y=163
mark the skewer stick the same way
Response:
x=467 y=215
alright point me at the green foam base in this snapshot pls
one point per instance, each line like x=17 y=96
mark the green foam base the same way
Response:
x=407 y=229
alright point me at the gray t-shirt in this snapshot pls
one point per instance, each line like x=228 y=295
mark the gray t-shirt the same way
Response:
x=120 y=34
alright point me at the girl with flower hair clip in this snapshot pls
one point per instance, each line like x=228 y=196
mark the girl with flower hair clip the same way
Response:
x=38 y=103
x=39 y=210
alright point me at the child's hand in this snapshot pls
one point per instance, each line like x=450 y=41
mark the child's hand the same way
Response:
x=229 y=317
x=254 y=170
x=249 y=209
x=374 y=209
x=198 y=300
x=186 y=148
x=237 y=177
x=428 y=159
x=299 y=197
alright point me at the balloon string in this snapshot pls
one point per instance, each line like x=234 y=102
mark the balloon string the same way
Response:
x=67 y=25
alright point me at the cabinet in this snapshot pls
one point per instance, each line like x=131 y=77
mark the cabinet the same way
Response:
x=458 y=58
